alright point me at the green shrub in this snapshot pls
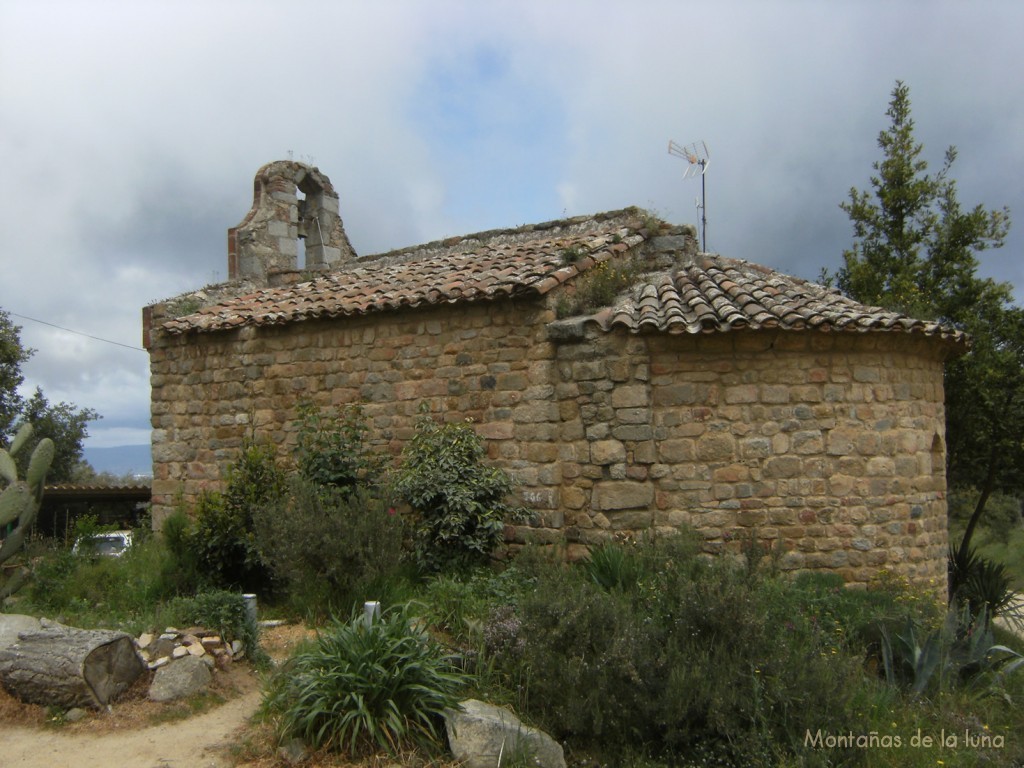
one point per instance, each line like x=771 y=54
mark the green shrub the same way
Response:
x=690 y=655
x=361 y=688
x=220 y=610
x=183 y=573
x=460 y=503
x=459 y=603
x=223 y=536
x=331 y=450
x=86 y=527
x=331 y=548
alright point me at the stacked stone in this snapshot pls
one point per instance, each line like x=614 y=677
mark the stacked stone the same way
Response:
x=171 y=644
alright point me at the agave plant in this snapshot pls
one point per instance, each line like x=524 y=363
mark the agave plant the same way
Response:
x=962 y=651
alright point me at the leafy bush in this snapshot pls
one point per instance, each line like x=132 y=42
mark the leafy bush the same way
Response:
x=363 y=688
x=690 y=655
x=331 y=450
x=461 y=603
x=459 y=501
x=331 y=547
x=220 y=610
x=86 y=527
x=223 y=536
x=176 y=534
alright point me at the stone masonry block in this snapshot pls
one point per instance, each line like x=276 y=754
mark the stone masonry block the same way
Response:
x=535 y=411
x=624 y=494
x=673 y=451
x=716 y=447
x=607 y=452
x=588 y=370
x=630 y=397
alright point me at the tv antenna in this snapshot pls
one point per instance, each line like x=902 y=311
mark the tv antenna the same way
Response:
x=696 y=155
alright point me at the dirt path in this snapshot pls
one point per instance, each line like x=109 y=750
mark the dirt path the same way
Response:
x=191 y=743
x=123 y=739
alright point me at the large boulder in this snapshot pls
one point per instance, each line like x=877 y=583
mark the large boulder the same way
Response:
x=180 y=679
x=481 y=735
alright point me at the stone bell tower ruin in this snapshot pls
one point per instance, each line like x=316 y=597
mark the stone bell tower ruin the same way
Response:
x=291 y=202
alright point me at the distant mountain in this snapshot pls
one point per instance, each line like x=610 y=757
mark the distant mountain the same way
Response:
x=121 y=460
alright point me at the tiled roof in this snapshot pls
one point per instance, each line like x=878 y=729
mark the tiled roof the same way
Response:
x=712 y=294
x=698 y=294
x=491 y=265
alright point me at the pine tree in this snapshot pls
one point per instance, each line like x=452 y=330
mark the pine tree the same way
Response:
x=916 y=251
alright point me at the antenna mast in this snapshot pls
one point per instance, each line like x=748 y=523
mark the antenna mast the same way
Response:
x=696 y=155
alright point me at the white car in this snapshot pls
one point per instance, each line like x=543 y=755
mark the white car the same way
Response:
x=110 y=544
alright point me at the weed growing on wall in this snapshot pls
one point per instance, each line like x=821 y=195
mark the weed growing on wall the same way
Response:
x=597 y=287
x=459 y=502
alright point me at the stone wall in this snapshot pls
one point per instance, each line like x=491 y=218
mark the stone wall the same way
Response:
x=831 y=443
x=489 y=362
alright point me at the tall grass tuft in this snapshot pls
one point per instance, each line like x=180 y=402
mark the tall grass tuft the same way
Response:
x=363 y=688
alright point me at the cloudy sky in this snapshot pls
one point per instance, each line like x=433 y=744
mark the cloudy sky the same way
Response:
x=130 y=132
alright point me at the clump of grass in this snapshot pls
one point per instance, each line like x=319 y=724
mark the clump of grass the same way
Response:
x=598 y=287
x=366 y=687
x=572 y=255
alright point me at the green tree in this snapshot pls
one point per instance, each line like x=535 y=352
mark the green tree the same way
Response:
x=916 y=251
x=12 y=355
x=65 y=424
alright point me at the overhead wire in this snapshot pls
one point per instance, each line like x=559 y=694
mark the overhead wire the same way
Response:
x=77 y=333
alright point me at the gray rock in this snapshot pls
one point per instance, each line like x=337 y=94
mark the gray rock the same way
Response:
x=12 y=624
x=75 y=714
x=481 y=735
x=180 y=679
x=293 y=751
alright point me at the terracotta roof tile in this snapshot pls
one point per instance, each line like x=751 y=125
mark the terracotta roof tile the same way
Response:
x=714 y=294
x=699 y=294
x=505 y=263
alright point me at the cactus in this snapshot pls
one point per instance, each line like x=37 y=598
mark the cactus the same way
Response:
x=19 y=504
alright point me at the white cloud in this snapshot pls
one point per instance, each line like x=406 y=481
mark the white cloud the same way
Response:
x=130 y=133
